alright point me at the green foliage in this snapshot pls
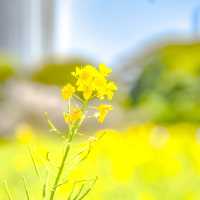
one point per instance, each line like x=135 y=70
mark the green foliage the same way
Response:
x=55 y=72
x=6 y=70
x=168 y=87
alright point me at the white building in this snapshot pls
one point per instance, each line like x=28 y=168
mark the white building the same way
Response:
x=31 y=29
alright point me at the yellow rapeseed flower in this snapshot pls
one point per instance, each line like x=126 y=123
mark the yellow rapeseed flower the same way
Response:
x=72 y=117
x=107 y=90
x=87 y=93
x=87 y=73
x=85 y=77
x=93 y=82
x=67 y=91
x=104 y=70
x=103 y=111
x=99 y=81
x=110 y=89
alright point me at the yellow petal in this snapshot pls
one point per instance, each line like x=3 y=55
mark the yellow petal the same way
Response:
x=67 y=91
x=104 y=70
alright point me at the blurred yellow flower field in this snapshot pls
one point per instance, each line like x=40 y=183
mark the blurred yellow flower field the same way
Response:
x=144 y=162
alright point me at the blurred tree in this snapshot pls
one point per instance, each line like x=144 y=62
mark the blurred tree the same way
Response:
x=57 y=72
x=168 y=87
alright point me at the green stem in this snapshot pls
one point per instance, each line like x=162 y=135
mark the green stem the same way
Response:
x=73 y=130
x=60 y=171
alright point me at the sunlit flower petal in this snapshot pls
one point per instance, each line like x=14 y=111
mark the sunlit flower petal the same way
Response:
x=67 y=91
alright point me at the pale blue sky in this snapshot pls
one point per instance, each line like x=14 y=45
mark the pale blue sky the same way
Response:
x=106 y=28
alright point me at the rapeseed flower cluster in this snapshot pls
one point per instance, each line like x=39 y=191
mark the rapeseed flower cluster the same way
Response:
x=90 y=83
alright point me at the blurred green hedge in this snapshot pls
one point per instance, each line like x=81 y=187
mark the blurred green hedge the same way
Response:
x=57 y=72
x=6 y=69
x=169 y=85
